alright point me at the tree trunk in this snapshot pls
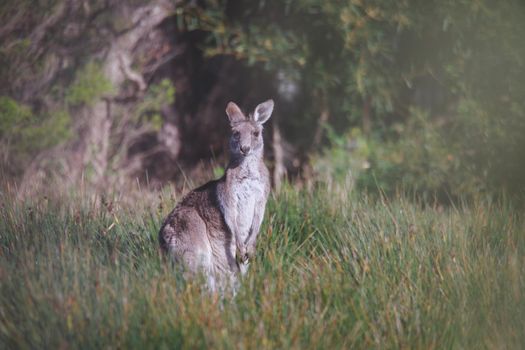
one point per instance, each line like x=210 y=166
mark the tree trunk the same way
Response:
x=279 y=170
x=323 y=118
x=105 y=126
x=367 y=122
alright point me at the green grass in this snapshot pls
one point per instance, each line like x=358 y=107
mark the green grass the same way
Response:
x=334 y=269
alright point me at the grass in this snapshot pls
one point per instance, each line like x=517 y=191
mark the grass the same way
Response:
x=334 y=269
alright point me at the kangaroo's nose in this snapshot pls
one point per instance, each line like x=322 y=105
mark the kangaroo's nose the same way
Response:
x=245 y=149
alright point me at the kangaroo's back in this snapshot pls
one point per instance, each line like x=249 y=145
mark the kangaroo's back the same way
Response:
x=203 y=202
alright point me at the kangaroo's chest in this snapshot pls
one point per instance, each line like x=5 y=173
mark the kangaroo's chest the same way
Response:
x=248 y=197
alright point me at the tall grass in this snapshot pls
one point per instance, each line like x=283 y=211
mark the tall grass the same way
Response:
x=334 y=269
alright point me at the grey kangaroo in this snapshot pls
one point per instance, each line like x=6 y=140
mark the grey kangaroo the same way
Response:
x=213 y=229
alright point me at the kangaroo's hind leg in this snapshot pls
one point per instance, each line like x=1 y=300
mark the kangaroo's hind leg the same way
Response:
x=188 y=244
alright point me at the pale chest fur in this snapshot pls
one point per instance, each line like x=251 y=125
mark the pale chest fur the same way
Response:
x=248 y=196
x=245 y=196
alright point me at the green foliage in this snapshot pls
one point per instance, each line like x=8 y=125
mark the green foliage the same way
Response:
x=157 y=96
x=372 y=62
x=89 y=85
x=426 y=156
x=330 y=47
x=12 y=116
x=419 y=158
x=333 y=270
x=422 y=155
x=49 y=131
x=345 y=159
x=23 y=132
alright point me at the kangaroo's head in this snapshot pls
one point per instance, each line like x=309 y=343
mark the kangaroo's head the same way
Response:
x=246 y=139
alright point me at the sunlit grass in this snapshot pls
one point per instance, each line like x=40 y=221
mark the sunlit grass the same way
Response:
x=334 y=269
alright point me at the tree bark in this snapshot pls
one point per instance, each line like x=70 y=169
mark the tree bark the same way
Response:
x=367 y=122
x=323 y=118
x=102 y=144
x=279 y=170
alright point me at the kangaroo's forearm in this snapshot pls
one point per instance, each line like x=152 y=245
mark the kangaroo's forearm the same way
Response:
x=254 y=230
x=252 y=237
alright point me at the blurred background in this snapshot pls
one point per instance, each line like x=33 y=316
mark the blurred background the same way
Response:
x=425 y=96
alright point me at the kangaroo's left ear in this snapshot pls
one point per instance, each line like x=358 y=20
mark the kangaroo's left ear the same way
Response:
x=263 y=112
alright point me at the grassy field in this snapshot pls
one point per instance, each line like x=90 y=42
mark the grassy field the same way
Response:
x=334 y=269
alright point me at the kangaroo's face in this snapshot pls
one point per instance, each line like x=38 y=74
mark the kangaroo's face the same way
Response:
x=246 y=138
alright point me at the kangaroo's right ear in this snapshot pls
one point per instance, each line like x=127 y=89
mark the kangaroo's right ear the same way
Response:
x=234 y=113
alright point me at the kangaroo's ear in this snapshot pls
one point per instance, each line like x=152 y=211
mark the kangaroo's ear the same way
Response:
x=263 y=112
x=234 y=113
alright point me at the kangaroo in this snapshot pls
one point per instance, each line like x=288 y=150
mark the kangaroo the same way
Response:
x=213 y=229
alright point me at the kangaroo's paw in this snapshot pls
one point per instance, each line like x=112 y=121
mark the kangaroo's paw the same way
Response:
x=242 y=254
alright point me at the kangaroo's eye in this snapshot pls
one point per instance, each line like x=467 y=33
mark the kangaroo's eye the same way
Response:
x=236 y=134
x=256 y=133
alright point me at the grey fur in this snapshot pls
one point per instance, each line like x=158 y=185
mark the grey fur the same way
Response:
x=213 y=229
